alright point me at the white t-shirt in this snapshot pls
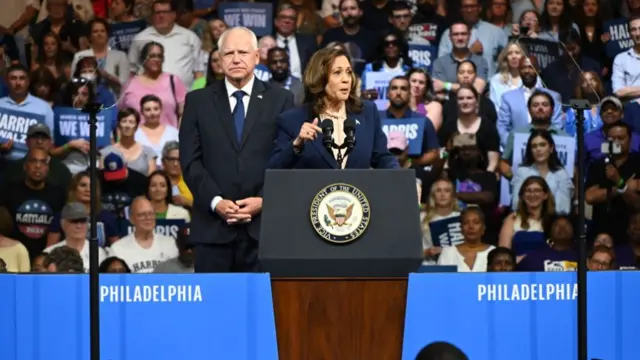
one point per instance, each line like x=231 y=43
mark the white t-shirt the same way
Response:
x=102 y=254
x=451 y=256
x=141 y=260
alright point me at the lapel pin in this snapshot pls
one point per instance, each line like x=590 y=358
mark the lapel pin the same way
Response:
x=357 y=122
x=259 y=96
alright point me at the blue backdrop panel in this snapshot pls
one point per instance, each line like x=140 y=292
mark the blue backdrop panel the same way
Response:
x=7 y=317
x=525 y=316
x=222 y=316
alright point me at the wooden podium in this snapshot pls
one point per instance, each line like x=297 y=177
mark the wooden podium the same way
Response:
x=339 y=318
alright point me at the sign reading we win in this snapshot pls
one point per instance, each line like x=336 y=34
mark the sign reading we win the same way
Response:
x=73 y=124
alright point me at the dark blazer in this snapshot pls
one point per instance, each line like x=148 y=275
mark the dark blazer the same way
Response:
x=306 y=45
x=215 y=164
x=370 y=149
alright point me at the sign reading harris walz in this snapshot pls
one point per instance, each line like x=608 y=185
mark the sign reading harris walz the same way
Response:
x=14 y=125
x=545 y=51
x=619 y=40
x=340 y=213
x=255 y=16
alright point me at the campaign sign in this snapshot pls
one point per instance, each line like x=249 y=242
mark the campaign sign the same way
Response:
x=153 y=316
x=163 y=227
x=565 y=147
x=14 y=125
x=446 y=232
x=379 y=80
x=74 y=124
x=413 y=128
x=122 y=34
x=203 y=4
x=523 y=316
x=545 y=51
x=620 y=40
x=422 y=55
x=255 y=16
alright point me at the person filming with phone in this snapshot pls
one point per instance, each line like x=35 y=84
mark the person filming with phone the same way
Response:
x=613 y=184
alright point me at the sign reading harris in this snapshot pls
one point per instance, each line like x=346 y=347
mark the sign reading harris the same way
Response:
x=413 y=129
x=122 y=34
x=255 y=16
x=14 y=126
x=74 y=124
x=166 y=227
x=620 y=40
x=422 y=55
x=545 y=51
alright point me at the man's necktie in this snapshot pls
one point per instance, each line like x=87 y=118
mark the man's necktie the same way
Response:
x=238 y=113
x=286 y=45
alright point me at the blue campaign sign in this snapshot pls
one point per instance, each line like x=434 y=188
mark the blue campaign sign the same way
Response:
x=165 y=227
x=422 y=55
x=620 y=40
x=203 y=4
x=201 y=316
x=73 y=124
x=446 y=232
x=524 y=316
x=413 y=129
x=122 y=34
x=14 y=125
x=255 y=16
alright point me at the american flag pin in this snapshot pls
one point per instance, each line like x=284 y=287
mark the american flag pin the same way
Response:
x=259 y=96
x=357 y=122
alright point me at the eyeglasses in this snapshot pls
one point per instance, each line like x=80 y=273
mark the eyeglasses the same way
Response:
x=146 y=215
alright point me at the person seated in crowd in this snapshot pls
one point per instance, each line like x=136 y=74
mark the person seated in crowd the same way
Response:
x=144 y=249
x=516 y=105
x=398 y=145
x=182 y=196
x=523 y=231
x=559 y=255
x=183 y=263
x=422 y=99
x=628 y=254
x=74 y=222
x=466 y=75
x=501 y=259
x=213 y=73
x=88 y=68
x=471 y=255
x=601 y=258
x=508 y=76
x=114 y=265
x=528 y=21
x=265 y=44
x=37 y=263
x=58 y=21
x=442 y=205
x=52 y=57
x=80 y=192
x=589 y=88
x=541 y=159
x=392 y=57
x=139 y=157
x=160 y=193
x=14 y=254
x=612 y=185
x=43 y=85
x=278 y=63
x=474 y=184
x=152 y=132
x=445 y=67
x=398 y=96
x=469 y=122
x=119 y=183
x=33 y=202
x=603 y=239
x=556 y=19
x=63 y=259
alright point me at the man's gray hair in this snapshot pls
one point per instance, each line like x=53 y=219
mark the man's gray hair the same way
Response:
x=223 y=37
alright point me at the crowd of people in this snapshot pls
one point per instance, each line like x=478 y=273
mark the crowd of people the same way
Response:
x=496 y=169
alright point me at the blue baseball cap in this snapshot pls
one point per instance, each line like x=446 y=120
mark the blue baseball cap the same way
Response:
x=115 y=167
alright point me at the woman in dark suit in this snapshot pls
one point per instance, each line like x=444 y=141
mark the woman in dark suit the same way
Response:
x=330 y=93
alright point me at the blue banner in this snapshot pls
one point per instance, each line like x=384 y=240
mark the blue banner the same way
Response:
x=14 y=125
x=123 y=33
x=73 y=124
x=619 y=40
x=524 y=316
x=163 y=227
x=256 y=16
x=413 y=129
x=201 y=316
x=422 y=55
x=203 y=4
x=446 y=232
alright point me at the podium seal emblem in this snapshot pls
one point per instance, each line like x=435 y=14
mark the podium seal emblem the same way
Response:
x=340 y=213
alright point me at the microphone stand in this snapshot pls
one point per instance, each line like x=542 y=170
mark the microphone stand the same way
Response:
x=94 y=280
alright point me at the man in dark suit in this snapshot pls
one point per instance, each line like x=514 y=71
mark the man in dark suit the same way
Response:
x=224 y=153
x=300 y=47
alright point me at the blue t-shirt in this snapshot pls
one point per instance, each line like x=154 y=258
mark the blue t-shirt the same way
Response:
x=548 y=259
x=107 y=227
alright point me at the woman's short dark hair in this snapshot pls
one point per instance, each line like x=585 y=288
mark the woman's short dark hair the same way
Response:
x=473 y=65
x=163 y=174
x=472 y=210
x=104 y=265
x=316 y=76
x=499 y=251
x=126 y=112
x=554 y=160
x=149 y=98
x=101 y=21
x=146 y=49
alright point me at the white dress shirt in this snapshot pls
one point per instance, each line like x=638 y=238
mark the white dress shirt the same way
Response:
x=232 y=105
x=295 y=65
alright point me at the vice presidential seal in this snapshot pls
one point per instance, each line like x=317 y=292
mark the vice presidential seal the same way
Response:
x=340 y=213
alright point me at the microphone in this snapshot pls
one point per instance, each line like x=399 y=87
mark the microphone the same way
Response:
x=327 y=133
x=350 y=134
